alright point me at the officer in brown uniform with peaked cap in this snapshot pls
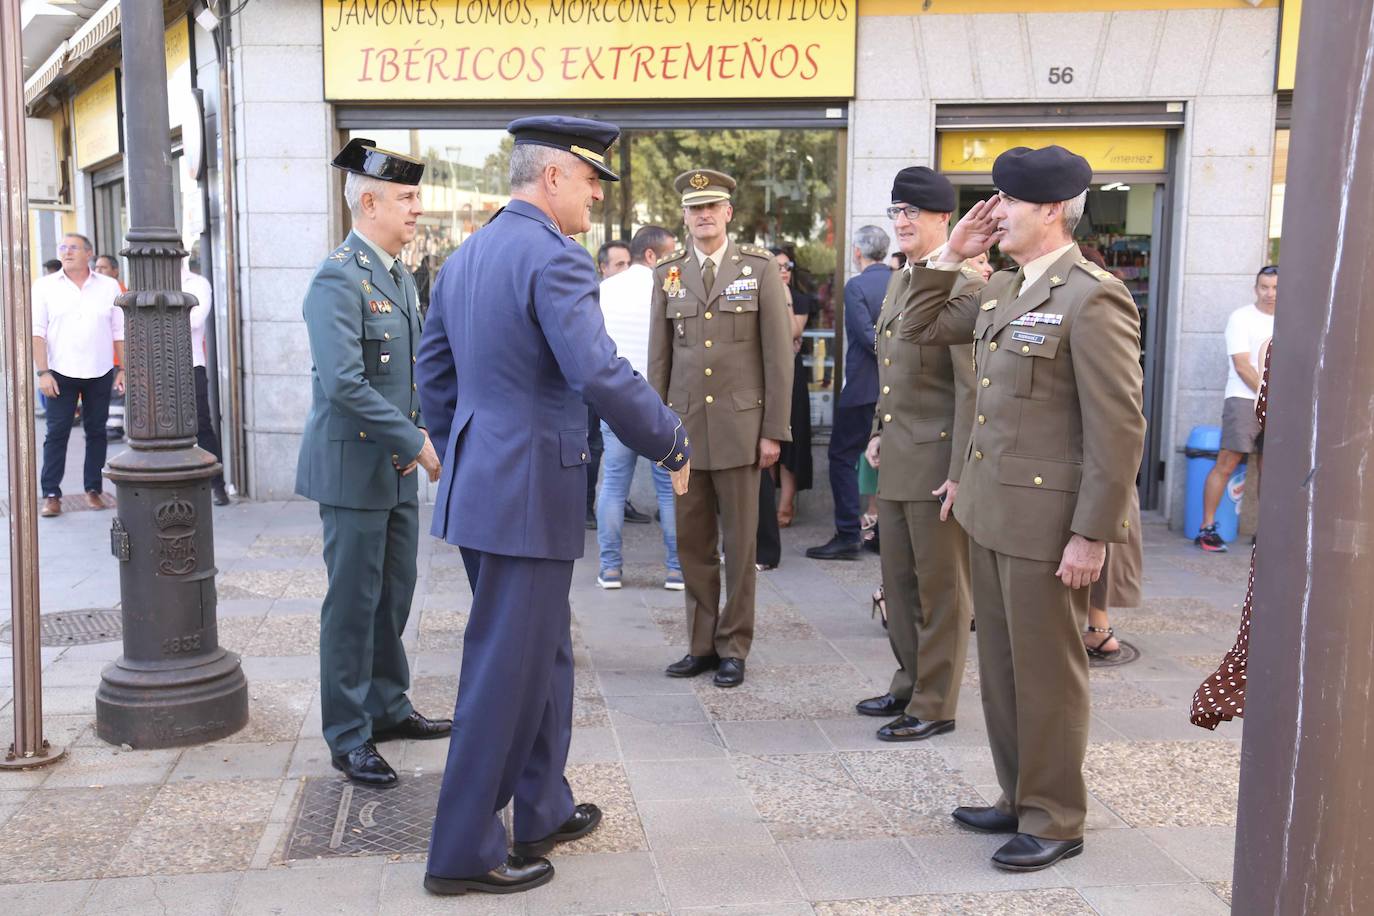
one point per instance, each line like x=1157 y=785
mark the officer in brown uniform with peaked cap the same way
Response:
x=1053 y=454
x=920 y=436
x=720 y=354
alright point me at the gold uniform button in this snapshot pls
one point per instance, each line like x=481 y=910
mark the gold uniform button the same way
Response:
x=1025 y=348
x=981 y=419
x=1126 y=523
x=887 y=333
x=362 y=435
x=887 y=362
x=584 y=456
x=412 y=387
x=887 y=418
x=386 y=336
x=887 y=389
x=943 y=434
x=413 y=414
x=707 y=316
x=708 y=344
x=412 y=359
x=978 y=455
x=739 y=308
x=710 y=400
x=992 y=347
x=708 y=371
x=1039 y=480
x=678 y=315
x=986 y=381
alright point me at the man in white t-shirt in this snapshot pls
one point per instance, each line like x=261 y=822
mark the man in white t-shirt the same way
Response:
x=1246 y=332
x=625 y=300
x=198 y=286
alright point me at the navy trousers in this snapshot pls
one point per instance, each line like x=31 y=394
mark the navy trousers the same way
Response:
x=95 y=409
x=513 y=721
x=364 y=675
x=848 y=439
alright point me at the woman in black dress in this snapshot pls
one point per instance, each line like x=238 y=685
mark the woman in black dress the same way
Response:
x=795 y=462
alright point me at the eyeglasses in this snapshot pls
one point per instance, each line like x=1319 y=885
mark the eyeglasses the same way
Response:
x=63 y=249
x=786 y=265
x=1270 y=270
x=911 y=212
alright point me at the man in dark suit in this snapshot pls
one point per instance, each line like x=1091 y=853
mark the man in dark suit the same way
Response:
x=515 y=344
x=863 y=303
x=360 y=447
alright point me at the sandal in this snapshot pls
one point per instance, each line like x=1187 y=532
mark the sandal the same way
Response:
x=1097 y=651
x=879 y=605
x=785 y=516
x=867 y=521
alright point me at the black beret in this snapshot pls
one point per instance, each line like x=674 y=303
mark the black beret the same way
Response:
x=362 y=157
x=586 y=139
x=923 y=188
x=1041 y=176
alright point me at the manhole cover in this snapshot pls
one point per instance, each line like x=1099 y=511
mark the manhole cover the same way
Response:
x=340 y=818
x=75 y=628
x=1129 y=653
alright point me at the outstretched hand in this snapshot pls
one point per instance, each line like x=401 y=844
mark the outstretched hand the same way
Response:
x=975 y=233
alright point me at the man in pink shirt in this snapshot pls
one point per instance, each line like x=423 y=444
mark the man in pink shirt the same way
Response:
x=78 y=333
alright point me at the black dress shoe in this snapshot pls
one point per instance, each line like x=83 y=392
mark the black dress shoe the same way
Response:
x=1024 y=852
x=510 y=877
x=415 y=727
x=985 y=819
x=584 y=819
x=837 y=548
x=885 y=705
x=634 y=516
x=730 y=673
x=218 y=495
x=910 y=728
x=365 y=766
x=692 y=665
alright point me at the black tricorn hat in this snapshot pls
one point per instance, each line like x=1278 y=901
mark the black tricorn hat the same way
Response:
x=362 y=157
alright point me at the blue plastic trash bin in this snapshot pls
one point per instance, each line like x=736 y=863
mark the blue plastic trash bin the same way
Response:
x=1201 y=450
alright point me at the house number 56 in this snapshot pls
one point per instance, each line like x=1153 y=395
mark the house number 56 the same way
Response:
x=1061 y=75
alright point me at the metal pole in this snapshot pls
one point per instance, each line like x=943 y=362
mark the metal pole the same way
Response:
x=16 y=323
x=173 y=685
x=1304 y=834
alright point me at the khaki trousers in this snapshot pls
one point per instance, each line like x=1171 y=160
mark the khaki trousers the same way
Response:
x=926 y=584
x=720 y=506
x=1034 y=676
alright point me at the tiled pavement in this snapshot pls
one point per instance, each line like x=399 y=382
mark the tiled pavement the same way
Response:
x=770 y=799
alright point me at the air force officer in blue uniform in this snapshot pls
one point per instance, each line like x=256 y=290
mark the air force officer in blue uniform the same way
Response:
x=514 y=345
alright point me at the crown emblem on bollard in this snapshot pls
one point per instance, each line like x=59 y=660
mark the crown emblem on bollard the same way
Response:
x=175 y=513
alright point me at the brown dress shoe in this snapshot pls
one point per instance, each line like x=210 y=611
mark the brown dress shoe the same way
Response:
x=52 y=506
x=93 y=500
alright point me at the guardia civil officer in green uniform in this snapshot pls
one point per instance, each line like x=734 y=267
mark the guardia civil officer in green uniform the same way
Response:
x=362 y=444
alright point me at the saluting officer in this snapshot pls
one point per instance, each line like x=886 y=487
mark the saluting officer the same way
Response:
x=1054 y=451
x=515 y=344
x=361 y=445
x=720 y=354
x=920 y=435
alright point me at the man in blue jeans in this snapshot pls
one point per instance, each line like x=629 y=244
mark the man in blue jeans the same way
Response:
x=625 y=301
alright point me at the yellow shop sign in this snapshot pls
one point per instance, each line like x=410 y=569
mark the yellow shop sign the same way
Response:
x=1108 y=149
x=611 y=50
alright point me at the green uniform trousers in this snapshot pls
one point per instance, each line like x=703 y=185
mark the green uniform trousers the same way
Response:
x=1034 y=677
x=926 y=586
x=364 y=675
x=732 y=495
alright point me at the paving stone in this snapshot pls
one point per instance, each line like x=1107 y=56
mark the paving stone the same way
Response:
x=204 y=847
x=297 y=634
x=916 y=789
x=593 y=745
x=103 y=765
x=1063 y=902
x=239 y=802
x=88 y=826
x=342 y=888
x=669 y=742
x=215 y=762
x=788 y=737
x=403 y=894
x=1207 y=852
x=1121 y=857
x=734 y=875
x=1222 y=889
x=276 y=710
x=678 y=824
x=1166 y=783
x=654 y=780
x=442 y=631
x=660 y=710
x=603 y=883
x=787 y=692
x=962 y=863
x=620 y=829
x=852 y=868
x=810 y=796
x=1153 y=899
x=202 y=894
x=51 y=898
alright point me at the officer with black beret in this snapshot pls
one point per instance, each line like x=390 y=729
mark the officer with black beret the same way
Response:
x=360 y=448
x=1048 y=479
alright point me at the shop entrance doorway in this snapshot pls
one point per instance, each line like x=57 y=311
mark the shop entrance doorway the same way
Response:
x=789 y=197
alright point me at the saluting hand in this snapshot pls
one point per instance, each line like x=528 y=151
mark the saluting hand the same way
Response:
x=680 y=477
x=429 y=459
x=1081 y=565
x=974 y=234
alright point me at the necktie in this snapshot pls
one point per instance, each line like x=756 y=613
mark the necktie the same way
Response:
x=708 y=275
x=1017 y=282
x=400 y=282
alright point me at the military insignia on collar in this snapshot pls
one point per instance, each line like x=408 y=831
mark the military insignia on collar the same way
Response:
x=989 y=305
x=362 y=259
x=746 y=270
x=1056 y=279
x=339 y=256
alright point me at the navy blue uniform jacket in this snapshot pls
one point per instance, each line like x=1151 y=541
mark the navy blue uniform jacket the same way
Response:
x=514 y=344
x=863 y=302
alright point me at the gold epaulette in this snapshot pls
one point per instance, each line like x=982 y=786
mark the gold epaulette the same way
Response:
x=756 y=251
x=677 y=254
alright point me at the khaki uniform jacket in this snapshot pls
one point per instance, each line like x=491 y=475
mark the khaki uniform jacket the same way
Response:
x=925 y=402
x=722 y=359
x=1058 y=430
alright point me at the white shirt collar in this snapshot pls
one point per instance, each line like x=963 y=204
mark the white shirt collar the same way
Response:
x=387 y=259
x=714 y=257
x=1036 y=269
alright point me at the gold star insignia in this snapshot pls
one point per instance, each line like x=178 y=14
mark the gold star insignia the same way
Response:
x=686 y=441
x=679 y=456
x=1056 y=279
